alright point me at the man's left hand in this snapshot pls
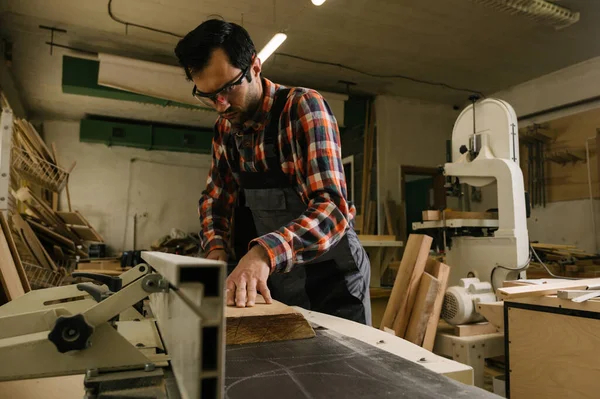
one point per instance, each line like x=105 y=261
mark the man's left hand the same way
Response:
x=249 y=276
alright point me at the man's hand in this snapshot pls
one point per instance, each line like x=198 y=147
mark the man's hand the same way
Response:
x=250 y=275
x=217 y=254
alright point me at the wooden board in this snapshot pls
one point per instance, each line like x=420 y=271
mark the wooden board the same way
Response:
x=441 y=271
x=14 y=252
x=422 y=309
x=552 y=356
x=85 y=233
x=32 y=242
x=431 y=215
x=493 y=312
x=98 y=236
x=72 y=218
x=546 y=289
x=52 y=234
x=411 y=268
x=9 y=277
x=469 y=330
x=373 y=237
x=436 y=215
x=265 y=323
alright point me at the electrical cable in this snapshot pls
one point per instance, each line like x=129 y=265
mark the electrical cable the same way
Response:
x=548 y=270
x=305 y=59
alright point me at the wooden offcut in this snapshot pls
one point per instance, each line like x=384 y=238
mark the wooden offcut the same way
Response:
x=493 y=312
x=265 y=323
x=469 y=330
x=440 y=271
x=447 y=214
x=422 y=309
x=407 y=280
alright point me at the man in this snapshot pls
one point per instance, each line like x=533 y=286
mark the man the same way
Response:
x=278 y=150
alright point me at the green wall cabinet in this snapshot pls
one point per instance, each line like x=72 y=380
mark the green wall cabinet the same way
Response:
x=146 y=136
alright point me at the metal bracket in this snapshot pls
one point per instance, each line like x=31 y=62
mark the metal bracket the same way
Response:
x=155 y=283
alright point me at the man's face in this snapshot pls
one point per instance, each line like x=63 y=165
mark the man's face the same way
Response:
x=240 y=98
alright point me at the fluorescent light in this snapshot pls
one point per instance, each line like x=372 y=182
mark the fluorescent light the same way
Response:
x=270 y=48
x=318 y=2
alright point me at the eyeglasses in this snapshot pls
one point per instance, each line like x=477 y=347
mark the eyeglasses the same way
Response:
x=211 y=99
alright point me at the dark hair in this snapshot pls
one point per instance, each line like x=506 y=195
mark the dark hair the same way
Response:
x=195 y=49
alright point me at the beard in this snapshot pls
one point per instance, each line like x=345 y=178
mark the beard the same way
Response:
x=242 y=114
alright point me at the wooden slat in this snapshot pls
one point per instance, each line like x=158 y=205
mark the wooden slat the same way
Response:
x=265 y=323
x=98 y=236
x=53 y=235
x=9 y=277
x=14 y=253
x=85 y=233
x=422 y=309
x=373 y=237
x=409 y=274
x=436 y=215
x=469 y=330
x=546 y=289
x=441 y=271
x=32 y=242
x=72 y=218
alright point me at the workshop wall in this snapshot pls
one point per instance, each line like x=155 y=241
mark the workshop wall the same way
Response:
x=109 y=189
x=409 y=132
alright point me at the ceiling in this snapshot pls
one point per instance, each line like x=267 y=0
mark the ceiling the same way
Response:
x=456 y=42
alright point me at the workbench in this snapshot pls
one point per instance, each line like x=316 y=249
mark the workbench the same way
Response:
x=344 y=360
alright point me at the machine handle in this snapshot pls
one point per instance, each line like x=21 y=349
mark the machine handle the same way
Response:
x=95 y=291
x=114 y=284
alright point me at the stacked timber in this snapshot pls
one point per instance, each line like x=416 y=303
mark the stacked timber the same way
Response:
x=563 y=260
x=413 y=310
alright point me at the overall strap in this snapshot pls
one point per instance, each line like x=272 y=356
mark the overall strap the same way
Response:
x=271 y=141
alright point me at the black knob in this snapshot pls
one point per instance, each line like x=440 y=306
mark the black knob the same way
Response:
x=71 y=333
x=463 y=149
x=114 y=284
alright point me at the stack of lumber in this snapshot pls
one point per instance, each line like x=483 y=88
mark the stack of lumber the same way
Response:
x=38 y=244
x=564 y=260
x=415 y=304
x=367 y=220
x=178 y=242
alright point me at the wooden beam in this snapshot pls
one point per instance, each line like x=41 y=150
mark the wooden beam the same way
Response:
x=441 y=271
x=265 y=323
x=9 y=277
x=422 y=309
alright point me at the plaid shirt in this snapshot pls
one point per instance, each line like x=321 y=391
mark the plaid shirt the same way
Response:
x=310 y=151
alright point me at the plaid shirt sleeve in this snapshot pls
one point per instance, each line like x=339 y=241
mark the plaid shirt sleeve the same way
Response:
x=215 y=207
x=314 y=138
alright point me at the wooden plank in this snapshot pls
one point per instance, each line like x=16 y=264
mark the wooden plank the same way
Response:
x=390 y=222
x=98 y=236
x=469 y=330
x=365 y=171
x=85 y=233
x=422 y=309
x=265 y=323
x=410 y=271
x=493 y=312
x=546 y=289
x=436 y=215
x=14 y=252
x=52 y=234
x=72 y=218
x=32 y=242
x=571 y=294
x=9 y=277
x=441 y=271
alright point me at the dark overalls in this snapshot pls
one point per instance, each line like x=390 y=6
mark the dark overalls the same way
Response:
x=336 y=283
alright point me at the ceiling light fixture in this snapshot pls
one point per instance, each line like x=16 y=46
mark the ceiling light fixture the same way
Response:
x=273 y=45
x=540 y=10
x=317 y=2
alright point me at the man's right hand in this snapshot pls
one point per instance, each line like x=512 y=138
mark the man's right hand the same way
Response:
x=217 y=254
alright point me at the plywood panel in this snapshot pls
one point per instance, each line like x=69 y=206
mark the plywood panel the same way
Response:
x=553 y=356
